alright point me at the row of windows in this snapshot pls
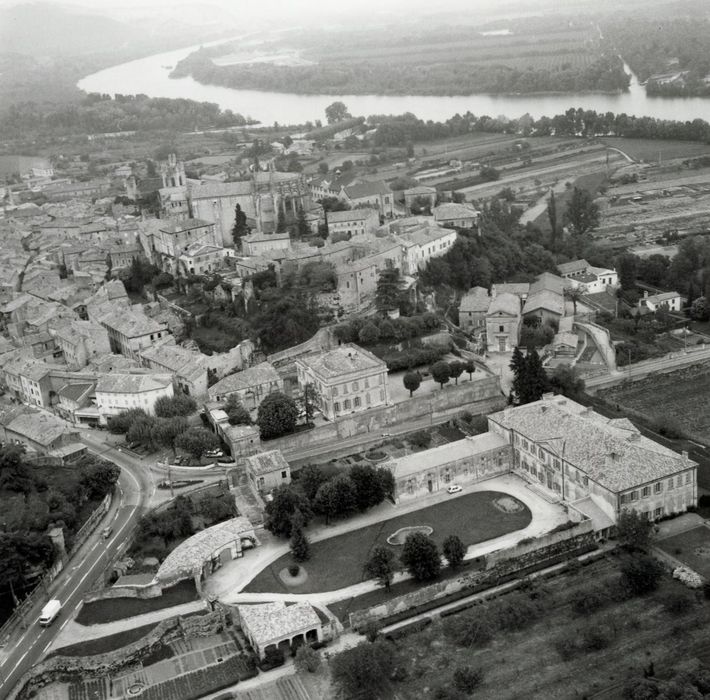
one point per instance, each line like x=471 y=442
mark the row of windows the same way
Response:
x=356 y=402
x=645 y=492
x=355 y=386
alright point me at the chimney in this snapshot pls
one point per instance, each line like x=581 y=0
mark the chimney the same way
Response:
x=684 y=454
x=633 y=437
x=645 y=294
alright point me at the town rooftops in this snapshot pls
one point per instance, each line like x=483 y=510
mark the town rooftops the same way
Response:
x=444 y=454
x=611 y=452
x=573 y=267
x=419 y=190
x=41 y=428
x=343 y=360
x=174 y=357
x=259 y=237
x=132 y=324
x=263 y=373
x=28 y=367
x=267 y=462
x=551 y=283
x=450 y=211
x=176 y=227
x=267 y=621
x=367 y=189
x=520 y=288
x=505 y=303
x=339 y=217
x=547 y=300
x=132 y=383
x=74 y=392
x=194 y=250
x=476 y=299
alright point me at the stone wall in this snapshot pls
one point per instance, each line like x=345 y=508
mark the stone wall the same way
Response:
x=479 y=397
x=143 y=592
x=82 y=667
x=542 y=550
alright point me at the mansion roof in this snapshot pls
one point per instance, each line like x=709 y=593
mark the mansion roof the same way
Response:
x=612 y=452
x=263 y=373
x=343 y=360
x=133 y=383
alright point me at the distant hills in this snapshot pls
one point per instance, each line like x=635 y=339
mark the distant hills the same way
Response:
x=47 y=29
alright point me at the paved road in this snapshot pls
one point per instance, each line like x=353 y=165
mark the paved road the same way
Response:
x=27 y=646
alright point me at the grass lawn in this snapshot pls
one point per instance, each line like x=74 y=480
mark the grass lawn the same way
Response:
x=112 y=609
x=102 y=645
x=338 y=561
x=686 y=547
x=524 y=661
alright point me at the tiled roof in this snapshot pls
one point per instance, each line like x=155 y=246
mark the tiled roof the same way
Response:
x=451 y=210
x=38 y=427
x=263 y=373
x=28 y=367
x=476 y=299
x=419 y=190
x=74 y=392
x=367 y=189
x=132 y=324
x=267 y=462
x=572 y=266
x=342 y=361
x=268 y=621
x=173 y=357
x=519 y=288
x=547 y=300
x=132 y=383
x=186 y=225
x=660 y=298
x=444 y=454
x=337 y=217
x=611 y=453
x=551 y=283
x=196 y=249
x=506 y=303
x=189 y=556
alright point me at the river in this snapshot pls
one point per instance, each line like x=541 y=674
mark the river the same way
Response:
x=149 y=76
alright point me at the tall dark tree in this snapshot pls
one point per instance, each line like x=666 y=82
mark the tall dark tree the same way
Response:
x=286 y=500
x=336 y=112
x=303 y=230
x=552 y=215
x=276 y=415
x=454 y=551
x=381 y=566
x=469 y=366
x=281 y=220
x=420 y=556
x=389 y=289
x=627 y=268
x=300 y=547
x=535 y=382
x=412 y=381
x=363 y=671
x=336 y=498
x=240 y=228
x=455 y=370
x=582 y=214
x=518 y=366
x=440 y=372
x=369 y=489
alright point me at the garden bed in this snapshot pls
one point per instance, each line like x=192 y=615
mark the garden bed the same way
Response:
x=103 y=645
x=112 y=609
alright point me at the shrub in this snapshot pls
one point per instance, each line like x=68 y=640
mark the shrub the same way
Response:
x=586 y=602
x=641 y=575
x=306 y=659
x=294 y=569
x=272 y=659
x=467 y=678
x=515 y=611
x=472 y=629
x=420 y=439
x=596 y=637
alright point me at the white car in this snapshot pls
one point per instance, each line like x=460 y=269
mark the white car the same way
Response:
x=214 y=453
x=454 y=488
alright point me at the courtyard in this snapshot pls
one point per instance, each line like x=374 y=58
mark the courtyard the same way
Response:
x=337 y=562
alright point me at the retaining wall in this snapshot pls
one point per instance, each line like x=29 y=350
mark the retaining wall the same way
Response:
x=535 y=554
x=482 y=396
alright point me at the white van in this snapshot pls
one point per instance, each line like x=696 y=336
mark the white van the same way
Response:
x=49 y=613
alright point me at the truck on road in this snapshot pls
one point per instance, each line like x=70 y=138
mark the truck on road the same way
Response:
x=49 y=613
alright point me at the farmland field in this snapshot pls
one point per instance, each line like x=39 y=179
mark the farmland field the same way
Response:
x=680 y=396
x=649 y=149
x=692 y=548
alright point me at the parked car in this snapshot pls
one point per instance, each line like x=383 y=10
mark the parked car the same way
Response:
x=454 y=488
x=106 y=532
x=214 y=453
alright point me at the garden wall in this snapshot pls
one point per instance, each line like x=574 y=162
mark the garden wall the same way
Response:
x=533 y=555
x=60 y=667
x=481 y=396
x=153 y=590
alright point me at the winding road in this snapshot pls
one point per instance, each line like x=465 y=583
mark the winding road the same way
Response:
x=30 y=642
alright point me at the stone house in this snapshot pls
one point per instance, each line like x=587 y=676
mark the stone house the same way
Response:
x=473 y=309
x=116 y=393
x=251 y=385
x=456 y=215
x=503 y=323
x=347 y=379
x=370 y=194
x=267 y=470
x=353 y=222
